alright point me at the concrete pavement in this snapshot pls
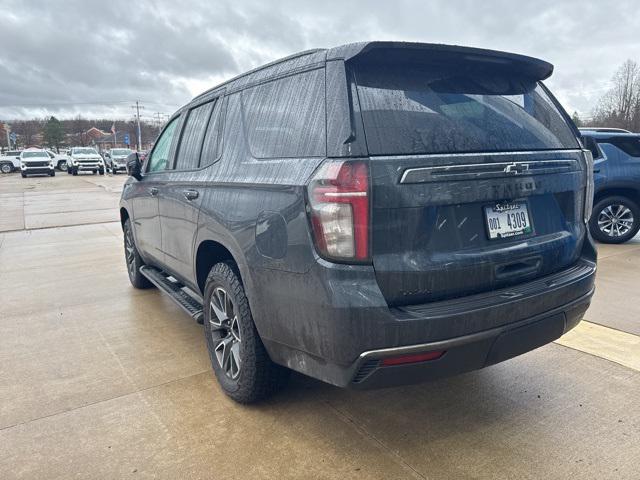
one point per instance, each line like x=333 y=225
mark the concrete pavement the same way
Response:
x=99 y=380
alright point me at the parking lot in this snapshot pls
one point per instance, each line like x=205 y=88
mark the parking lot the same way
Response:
x=99 y=380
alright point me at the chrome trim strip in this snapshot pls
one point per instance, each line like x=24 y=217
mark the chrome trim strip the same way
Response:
x=487 y=169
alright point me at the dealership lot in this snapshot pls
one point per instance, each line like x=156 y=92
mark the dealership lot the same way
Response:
x=99 y=380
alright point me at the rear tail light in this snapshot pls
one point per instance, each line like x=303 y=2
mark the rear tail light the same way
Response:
x=589 y=190
x=339 y=210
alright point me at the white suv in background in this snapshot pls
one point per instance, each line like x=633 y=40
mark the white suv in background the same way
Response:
x=10 y=161
x=35 y=161
x=85 y=159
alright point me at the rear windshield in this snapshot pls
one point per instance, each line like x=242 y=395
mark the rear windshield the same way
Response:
x=411 y=110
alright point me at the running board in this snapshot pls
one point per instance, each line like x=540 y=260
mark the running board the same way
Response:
x=174 y=290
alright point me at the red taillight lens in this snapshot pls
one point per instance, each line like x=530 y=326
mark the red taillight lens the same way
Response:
x=413 y=358
x=339 y=209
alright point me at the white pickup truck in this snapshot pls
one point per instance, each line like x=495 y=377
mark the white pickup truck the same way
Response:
x=10 y=161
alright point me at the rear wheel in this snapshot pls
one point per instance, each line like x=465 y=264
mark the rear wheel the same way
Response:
x=133 y=259
x=614 y=219
x=63 y=166
x=238 y=357
x=6 y=168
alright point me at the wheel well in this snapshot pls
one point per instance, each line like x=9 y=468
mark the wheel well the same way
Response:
x=629 y=193
x=124 y=216
x=208 y=254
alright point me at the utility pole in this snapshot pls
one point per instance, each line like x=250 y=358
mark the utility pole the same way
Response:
x=137 y=106
x=7 y=129
x=160 y=117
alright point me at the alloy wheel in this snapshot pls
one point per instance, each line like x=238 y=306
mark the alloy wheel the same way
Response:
x=225 y=332
x=615 y=220
x=130 y=253
x=6 y=168
x=63 y=166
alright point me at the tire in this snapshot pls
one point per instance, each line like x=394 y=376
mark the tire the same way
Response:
x=615 y=219
x=6 y=168
x=62 y=166
x=114 y=171
x=52 y=174
x=75 y=172
x=245 y=373
x=69 y=171
x=24 y=175
x=101 y=171
x=133 y=260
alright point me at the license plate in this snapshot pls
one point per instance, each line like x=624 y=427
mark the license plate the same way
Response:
x=506 y=220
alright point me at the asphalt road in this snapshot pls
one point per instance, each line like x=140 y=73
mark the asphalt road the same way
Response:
x=99 y=380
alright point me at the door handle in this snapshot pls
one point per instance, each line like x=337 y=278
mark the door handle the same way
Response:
x=153 y=191
x=190 y=194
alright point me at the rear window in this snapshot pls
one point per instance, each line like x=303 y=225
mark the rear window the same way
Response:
x=417 y=109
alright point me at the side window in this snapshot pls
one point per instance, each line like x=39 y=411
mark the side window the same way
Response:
x=592 y=145
x=212 y=146
x=629 y=145
x=193 y=134
x=286 y=117
x=160 y=154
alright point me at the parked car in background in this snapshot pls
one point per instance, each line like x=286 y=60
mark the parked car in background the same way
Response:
x=116 y=159
x=616 y=210
x=60 y=160
x=36 y=161
x=10 y=161
x=85 y=159
x=603 y=129
x=370 y=215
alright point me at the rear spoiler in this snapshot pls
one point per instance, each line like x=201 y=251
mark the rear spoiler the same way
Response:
x=430 y=53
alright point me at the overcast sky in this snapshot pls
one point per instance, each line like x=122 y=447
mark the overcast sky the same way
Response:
x=96 y=58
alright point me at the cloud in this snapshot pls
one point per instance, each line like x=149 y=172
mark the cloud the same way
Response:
x=96 y=58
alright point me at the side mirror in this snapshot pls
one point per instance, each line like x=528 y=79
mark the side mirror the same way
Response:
x=18 y=157
x=134 y=166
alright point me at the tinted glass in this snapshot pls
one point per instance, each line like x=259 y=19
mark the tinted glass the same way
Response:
x=120 y=151
x=629 y=145
x=188 y=155
x=213 y=138
x=286 y=117
x=412 y=109
x=160 y=155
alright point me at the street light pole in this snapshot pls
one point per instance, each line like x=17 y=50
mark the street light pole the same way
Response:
x=138 y=107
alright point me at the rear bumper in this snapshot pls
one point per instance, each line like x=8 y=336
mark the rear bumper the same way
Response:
x=469 y=352
x=334 y=325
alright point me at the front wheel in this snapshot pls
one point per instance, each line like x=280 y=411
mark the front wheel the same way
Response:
x=52 y=174
x=133 y=259
x=238 y=357
x=24 y=175
x=101 y=171
x=75 y=171
x=614 y=219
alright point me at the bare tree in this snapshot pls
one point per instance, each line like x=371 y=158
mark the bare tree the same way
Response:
x=620 y=106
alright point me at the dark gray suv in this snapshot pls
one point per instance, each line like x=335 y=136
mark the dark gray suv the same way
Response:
x=369 y=215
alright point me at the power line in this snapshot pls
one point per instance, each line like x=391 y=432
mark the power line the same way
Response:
x=54 y=104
